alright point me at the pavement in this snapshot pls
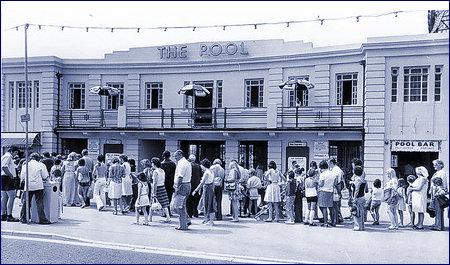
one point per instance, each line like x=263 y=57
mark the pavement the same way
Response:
x=247 y=241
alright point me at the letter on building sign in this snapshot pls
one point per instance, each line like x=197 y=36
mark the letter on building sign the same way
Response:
x=161 y=52
x=183 y=51
x=172 y=52
x=243 y=50
x=231 y=49
x=216 y=49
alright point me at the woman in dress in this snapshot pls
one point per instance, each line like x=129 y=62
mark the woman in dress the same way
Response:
x=99 y=175
x=116 y=175
x=145 y=166
x=419 y=195
x=158 y=187
x=234 y=193
x=392 y=186
x=273 y=194
x=69 y=180
x=207 y=184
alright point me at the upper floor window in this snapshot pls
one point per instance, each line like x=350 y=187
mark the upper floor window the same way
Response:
x=415 y=84
x=347 y=89
x=77 y=92
x=11 y=94
x=298 y=97
x=254 y=92
x=36 y=93
x=154 y=95
x=115 y=101
x=21 y=94
x=219 y=84
x=394 y=88
x=437 y=82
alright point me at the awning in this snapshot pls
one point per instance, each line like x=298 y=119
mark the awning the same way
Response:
x=18 y=139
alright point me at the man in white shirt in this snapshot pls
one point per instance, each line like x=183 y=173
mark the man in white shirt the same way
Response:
x=37 y=174
x=337 y=171
x=9 y=184
x=327 y=181
x=182 y=187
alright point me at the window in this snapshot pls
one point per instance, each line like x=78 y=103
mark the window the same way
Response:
x=36 y=93
x=21 y=91
x=188 y=100
x=77 y=95
x=394 y=74
x=347 y=89
x=154 y=95
x=415 y=84
x=219 y=93
x=11 y=95
x=254 y=90
x=437 y=82
x=298 y=95
x=115 y=101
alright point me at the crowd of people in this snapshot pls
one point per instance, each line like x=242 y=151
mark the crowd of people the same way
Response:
x=189 y=189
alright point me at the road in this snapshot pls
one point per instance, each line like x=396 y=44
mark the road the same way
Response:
x=26 y=250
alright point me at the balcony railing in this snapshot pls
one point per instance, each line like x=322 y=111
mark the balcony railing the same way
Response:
x=215 y=118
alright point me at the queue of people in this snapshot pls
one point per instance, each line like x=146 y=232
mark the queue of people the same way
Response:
x=189 y=189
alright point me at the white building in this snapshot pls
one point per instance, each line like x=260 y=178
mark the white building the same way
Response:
x=385 y=101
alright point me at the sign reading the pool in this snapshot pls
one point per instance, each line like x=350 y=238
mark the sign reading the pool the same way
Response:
x=204 y=50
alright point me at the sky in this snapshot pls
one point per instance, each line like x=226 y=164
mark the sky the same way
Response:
x=77 y=43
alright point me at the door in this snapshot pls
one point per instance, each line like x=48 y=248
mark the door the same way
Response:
x=203 y=105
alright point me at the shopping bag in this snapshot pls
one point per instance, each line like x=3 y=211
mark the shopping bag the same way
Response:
x=90 y=192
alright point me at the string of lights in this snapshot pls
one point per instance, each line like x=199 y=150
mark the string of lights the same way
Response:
x=255 y=25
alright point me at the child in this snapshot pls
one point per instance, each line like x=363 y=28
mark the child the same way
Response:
x=311 y=185
x=401 y=199
x=291 y=186
x=377 y=196
x=253 y=184
x=142 y=200
x=410 y=179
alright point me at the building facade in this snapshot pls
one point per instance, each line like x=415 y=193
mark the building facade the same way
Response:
x=385 y=101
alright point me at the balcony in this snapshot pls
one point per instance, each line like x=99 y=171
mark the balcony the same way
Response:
x=216 y=118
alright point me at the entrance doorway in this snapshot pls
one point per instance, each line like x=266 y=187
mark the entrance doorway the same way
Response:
x=408 y=161
x=344 y=152
x=73 y=145
x=203 y=105
x=204 y=149
x=252 y=153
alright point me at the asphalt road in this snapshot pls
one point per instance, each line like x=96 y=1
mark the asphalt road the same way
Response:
x=23 y=251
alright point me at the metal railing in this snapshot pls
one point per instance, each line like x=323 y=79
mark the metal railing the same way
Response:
x=216 y=118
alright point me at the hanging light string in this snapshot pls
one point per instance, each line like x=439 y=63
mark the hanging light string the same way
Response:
x=255 y=25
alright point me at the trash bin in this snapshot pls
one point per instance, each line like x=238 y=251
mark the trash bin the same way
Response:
x=51 y=203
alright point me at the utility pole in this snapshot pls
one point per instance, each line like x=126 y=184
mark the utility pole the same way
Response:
x=27 y=98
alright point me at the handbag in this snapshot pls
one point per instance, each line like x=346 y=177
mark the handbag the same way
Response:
x=230 y=186
x=390 y=196
x=442 y=200
x=430 y=210
x=90 y=192
x=156 y=206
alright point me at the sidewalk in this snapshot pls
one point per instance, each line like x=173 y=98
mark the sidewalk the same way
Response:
x=297 y=243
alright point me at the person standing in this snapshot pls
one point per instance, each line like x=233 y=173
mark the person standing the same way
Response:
x=48 y=161
x=37 y=174
x=311 y=186
x=69 y=180
x=116 y=176
x=182 y=187
x=337 y=171
x=193 y=200
x=419 y=195
x=82 y=175
x=9 y=184
x=134 y=184
x=89 y=163
x=273 y=193
x=207 y=185
x=219 y=175
x=327 y=181
x=234 y=193
x=264 y=182
x=298 y=202
x=243 y=182
x=253 y=184
x=169 y=169
x=392 y=186
x=158 y=188
x=359 y=187
x=99 y=175
x=437 y=190
x=127 y=190
x=291 y=188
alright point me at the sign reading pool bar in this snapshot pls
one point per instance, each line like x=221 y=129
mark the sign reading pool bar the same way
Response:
x=414 y=146
x=205 y=50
